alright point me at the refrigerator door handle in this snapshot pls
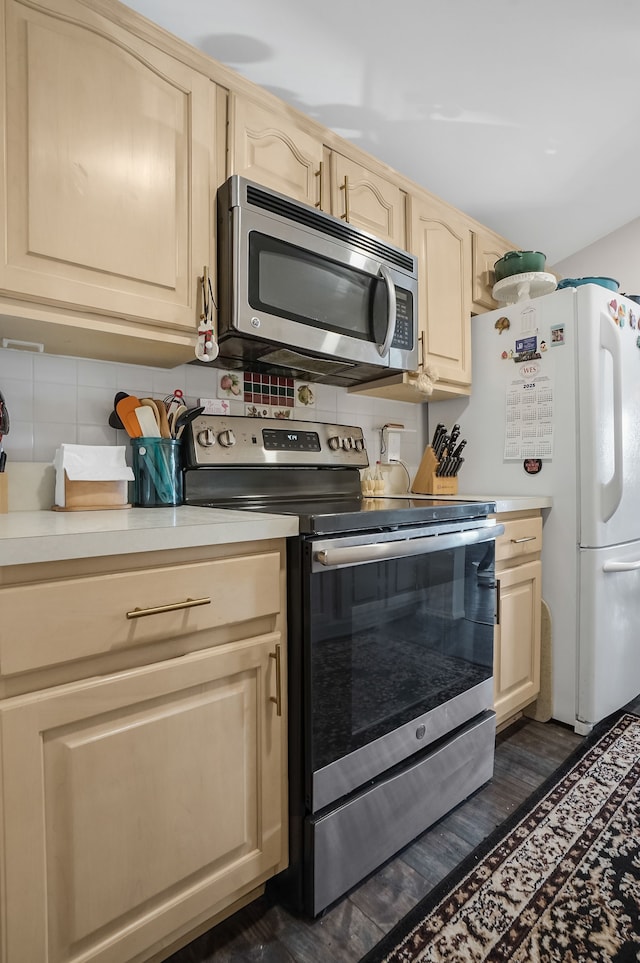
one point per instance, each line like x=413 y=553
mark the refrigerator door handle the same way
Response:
x=621 y=566
x=611 y=491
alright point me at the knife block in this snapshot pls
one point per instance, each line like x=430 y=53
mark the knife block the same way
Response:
x=427 y=482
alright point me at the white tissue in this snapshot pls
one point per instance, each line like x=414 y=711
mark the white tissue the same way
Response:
x=89 y=463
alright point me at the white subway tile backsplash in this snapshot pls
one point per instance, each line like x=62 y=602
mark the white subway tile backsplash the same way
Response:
x=48 y=437
x=15 y=364
x=94 y=405
x=54 y=400
x=18 y=444
x=53 y=369
x=97 y=374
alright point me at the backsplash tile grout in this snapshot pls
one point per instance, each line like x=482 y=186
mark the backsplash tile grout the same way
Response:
x=55 y=399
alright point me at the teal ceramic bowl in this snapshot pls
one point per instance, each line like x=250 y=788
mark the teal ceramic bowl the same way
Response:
x=609 y=283
x=519 y=262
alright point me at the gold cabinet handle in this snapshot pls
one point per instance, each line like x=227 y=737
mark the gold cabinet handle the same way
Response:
x=527 y=538
x=171 y=607
x=319 y=175
x=277 y=698
x=345 y=188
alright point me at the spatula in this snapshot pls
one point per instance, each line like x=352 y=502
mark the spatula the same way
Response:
x=147 y=421
x=126 y=410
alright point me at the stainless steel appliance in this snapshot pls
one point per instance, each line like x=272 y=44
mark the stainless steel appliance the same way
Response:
x=390 y=640
x=304 y=294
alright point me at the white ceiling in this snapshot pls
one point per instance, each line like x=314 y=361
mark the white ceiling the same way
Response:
x=522 y=113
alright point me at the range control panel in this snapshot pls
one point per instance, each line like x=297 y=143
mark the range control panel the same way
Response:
x=235 y=441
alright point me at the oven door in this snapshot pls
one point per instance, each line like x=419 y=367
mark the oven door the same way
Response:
x=398 y=648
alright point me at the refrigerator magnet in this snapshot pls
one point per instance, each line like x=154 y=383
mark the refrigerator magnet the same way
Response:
x=532 y=465
x=557 y=334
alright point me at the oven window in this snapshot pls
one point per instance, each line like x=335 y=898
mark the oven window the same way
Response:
x=392 y=640
x=298 y=284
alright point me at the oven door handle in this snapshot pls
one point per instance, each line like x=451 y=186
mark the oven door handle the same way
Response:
x=391 y=316
x=380 y=551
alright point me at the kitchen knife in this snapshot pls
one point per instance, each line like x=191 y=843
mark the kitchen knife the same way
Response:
x=442 y=446
x=455 y=433
x=460 y=448
x=440 y=430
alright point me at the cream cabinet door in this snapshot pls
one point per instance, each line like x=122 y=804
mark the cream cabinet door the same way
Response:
x=442 y=242
x=516 y=663
x=107 y=167
x=274 y=150
x=487 y=249
x=137 y=805
x=367 y=200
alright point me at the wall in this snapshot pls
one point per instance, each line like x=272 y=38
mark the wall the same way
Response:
x=53 y=399
x=617 y=255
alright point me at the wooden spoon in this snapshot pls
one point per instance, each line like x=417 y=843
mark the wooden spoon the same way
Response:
x=163 y=421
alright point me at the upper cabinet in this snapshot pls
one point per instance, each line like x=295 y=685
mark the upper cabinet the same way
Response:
x=442 y=241
x=487 y=248
x=107 y=172
x=274 y=147
x=367 y=199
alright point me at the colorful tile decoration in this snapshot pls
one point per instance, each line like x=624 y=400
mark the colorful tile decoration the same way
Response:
x=261 y=389
x=266 y=396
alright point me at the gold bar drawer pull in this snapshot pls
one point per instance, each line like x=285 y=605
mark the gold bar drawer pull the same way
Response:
x=278 y=696
x=172 y=607
x=527 y=538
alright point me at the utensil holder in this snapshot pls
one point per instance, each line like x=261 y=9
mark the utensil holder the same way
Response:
x=427 y=482
x=158 y=472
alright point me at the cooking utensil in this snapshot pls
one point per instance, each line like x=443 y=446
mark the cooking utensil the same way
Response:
x=148 y=421
x=114 y=420
x=519 y=262
x=184 y=419
x=172 y=416
x=163 y=420
x=126 y=411
x=609 y=283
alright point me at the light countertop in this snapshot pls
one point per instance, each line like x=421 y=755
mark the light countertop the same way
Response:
x=45 y=536
x=504 y=503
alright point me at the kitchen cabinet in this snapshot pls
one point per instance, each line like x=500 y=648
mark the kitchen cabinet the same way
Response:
x=367 y=199
x=274 y=146
x=518 y=630
x=143 y=736
x=487 y=248
x=274 y=149
x=108 y=174
x=441 y=239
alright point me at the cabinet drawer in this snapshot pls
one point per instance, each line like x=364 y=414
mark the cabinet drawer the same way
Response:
x=51 y=622
x=522 y=536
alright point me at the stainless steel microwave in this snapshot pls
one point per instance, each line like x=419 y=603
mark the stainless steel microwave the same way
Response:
x=304 y=294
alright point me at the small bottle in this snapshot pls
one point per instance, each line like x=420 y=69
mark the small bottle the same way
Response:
x=367 y=485
x=378 y=482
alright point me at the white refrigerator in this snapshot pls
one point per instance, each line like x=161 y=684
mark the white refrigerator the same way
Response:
x=555 y=410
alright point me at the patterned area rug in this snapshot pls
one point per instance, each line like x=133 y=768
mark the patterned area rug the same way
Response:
x=559 y=881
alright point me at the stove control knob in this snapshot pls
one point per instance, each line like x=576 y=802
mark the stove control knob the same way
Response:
x=334 y=443
x=206 y=438
x=227 y=438
x=347 y=443
x=358 y=444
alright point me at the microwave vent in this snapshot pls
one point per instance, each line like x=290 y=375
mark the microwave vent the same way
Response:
x=329 y=225
x=286 y=358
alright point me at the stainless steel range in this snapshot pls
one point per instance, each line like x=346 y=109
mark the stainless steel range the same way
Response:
x=391 y=609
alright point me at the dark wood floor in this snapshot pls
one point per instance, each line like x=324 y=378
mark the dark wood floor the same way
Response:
x=264 y=932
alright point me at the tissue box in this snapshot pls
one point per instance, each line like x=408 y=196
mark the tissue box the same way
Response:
x=91 y=478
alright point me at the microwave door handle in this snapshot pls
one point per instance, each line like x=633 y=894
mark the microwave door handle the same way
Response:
x=391 y=318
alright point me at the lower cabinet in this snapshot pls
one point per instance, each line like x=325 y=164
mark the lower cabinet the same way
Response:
x=141 y=805
x=517 y=634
